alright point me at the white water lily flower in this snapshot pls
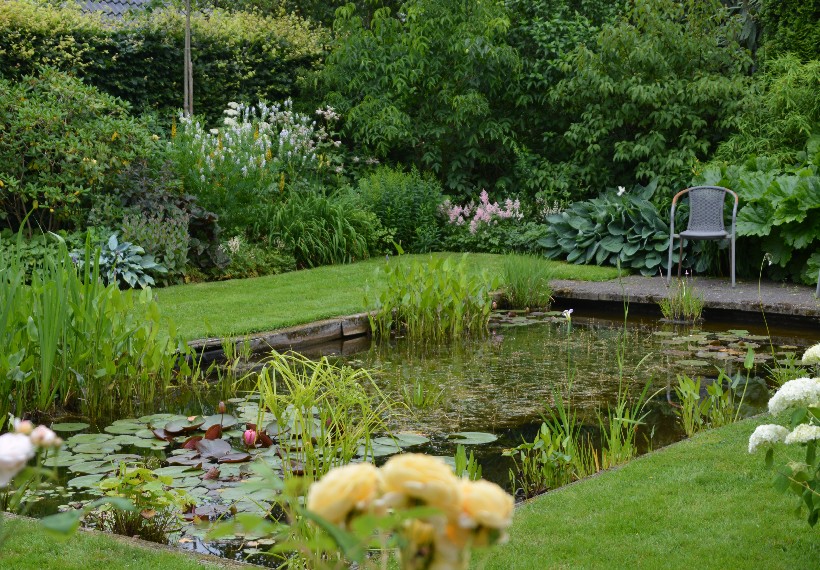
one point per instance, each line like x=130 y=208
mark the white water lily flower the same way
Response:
x=812 y=355
x=803 y=433
x=768 y=434
x=15 y=451
x=796 y=393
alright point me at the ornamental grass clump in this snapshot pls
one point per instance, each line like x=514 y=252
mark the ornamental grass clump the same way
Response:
x=414 y=503
x=527 y=282
x=799 y=475
x=434 y=301
x=682 y=303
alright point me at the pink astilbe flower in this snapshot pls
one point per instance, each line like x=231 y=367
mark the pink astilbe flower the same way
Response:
x=485 y=212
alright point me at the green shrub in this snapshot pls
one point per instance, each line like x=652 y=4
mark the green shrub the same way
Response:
x=779 y=115
x=618 y=228
x=653 y=96
x=791 y=26
x=325 y=230
x=236 y=56
x=407 y=203
x=779 y=217
x=164 y=238
x=250 y=259
x=63 y=142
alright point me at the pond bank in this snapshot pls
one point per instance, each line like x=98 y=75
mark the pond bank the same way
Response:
x=748 y=301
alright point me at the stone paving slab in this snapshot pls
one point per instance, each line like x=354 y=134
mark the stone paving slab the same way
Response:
x=776 y=298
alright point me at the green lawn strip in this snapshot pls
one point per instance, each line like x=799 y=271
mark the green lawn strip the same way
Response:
x=29 y=546
x=242 y=306
x=704 y=503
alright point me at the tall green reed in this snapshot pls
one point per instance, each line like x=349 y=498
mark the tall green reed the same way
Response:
x=68 y=341
x=324 y=415
x=432 y=302
x=527 y=281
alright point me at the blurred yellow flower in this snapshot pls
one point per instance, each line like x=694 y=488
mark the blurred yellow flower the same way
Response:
x=422 y=478
x=488 y=509
x=343 y=491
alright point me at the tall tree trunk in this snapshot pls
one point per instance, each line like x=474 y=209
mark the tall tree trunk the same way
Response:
x=188 y=82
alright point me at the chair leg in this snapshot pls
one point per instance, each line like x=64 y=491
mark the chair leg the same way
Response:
x=817 y=293
x=680 y=256
x=733 y=261
x=669 y=262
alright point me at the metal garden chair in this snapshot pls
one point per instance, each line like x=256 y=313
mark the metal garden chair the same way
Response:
x=705 y=221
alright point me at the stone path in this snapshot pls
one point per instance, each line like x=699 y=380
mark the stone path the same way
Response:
x=776 y=298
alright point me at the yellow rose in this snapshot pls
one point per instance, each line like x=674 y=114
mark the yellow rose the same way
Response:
x=343 y=491
x=423 y=478
x=488 y=509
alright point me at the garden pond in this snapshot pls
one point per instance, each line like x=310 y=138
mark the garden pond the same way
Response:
x=488 y=394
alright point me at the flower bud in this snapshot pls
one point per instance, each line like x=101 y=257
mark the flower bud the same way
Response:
x=23 y=426
x=42 y=436
x=220 y=409
x=249 y=437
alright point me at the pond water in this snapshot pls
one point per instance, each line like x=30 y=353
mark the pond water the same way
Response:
x=500 y=385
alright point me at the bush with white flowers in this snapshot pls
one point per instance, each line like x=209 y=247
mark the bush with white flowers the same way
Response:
x=799 y=398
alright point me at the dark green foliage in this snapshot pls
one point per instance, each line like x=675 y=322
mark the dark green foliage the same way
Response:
x=653 y=97
x=164 y=238
x=506 y=236
x=624 y=230
x=31 y=252
x=431 y=88
x=779 y=114
x=326 y=230
x=791 y=26
x=779 y=216
x=235 y=56
x=406 y=203
x=61 y=144
x=544 y=32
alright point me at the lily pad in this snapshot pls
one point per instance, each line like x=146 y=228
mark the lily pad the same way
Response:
x=124 y=429
x=63 y=459
x=97 y=448
x=407 y=439
x=472 y=437
x=692 y=363
x=177 y=427
x=88 y=438
x=225 y=420
x=70 y=426
x=86 y=481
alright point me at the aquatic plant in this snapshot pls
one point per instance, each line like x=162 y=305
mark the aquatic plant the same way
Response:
x=431 y=302
x=323 y=415
x=620 y=428
x=67 y=340
x=466 y=467
x=157 y=508
x=682 y=303
x=527 y=281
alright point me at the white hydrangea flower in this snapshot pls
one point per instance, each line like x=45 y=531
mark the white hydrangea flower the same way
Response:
x=812 y=355
x=795 y=393
x=803 y=433
x=768 y=434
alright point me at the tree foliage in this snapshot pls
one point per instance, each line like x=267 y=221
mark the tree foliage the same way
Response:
x=654 y=96
x=429 y=86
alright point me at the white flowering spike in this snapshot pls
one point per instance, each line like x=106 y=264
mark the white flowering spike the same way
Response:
x=803 y=433
x=768 y=434
x=796 y=393
x=812 y=355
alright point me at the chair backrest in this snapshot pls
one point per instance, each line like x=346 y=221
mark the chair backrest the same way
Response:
x=706 y=208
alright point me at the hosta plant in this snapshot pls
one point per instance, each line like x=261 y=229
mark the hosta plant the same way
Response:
x=617 y=228
x=124 y=263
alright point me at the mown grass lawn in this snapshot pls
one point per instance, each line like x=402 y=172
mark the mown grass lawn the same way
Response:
x=242 y=306
x=704 y=503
